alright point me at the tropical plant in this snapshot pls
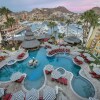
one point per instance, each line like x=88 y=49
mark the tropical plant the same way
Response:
x=78 y=24
x=60 y=36
x=68 y=22
x=52 y=25
x=5 y=11
x=10 y=22
x=90 y=20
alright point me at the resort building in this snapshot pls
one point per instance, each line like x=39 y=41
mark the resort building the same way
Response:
x=93 y=42
x=97 y=48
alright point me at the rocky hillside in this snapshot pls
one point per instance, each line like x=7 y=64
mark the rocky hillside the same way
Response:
x=97 y=10
x=51 y=10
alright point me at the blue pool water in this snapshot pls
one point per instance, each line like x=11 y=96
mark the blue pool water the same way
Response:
x=83 y=87
x=35 y=76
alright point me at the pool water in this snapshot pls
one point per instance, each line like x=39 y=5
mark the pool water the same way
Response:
x=35 y=76
x=83 y=87
x=61 y=70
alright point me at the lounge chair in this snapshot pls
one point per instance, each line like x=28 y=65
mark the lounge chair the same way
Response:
x=20 y=56
x=96 y=76
x=20 y=80
x=40 y=98
x=47 y=72
x=7 y=97
x=93 y=73
x=52 y=79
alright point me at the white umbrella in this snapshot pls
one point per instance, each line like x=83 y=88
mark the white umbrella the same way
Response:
x=92 y=64
x=68 y=47
x=1 y=92
x=46 y=28
x=98 y=65
x=49 y=67
x=90 y=58
x=33 y=94
x=86 y=54
x=18 y=95
x=62 y=47
x=75 y=53
x=16 y=76
x=3 y=54
x=49 y=93
x=31 y=61
x=96 y=70
x=80 y=58
x=56 y=74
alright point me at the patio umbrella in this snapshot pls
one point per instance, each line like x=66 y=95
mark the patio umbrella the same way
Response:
x=3 y=54
x=96 y=70
x=68 y=47
x=16 y=76
x=80 y=58
x=18 y=95
x=75 y=53
x=46 y=28
x=62 y=47
x=56 y=74
x=49 y=93
x=49 y=67
x=98 y=65
x=33 y=94
x=86 y=54
x=90 y=58
x=1 y=92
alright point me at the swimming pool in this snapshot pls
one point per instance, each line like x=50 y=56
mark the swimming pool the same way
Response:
x=82 y=87
x=35 y=76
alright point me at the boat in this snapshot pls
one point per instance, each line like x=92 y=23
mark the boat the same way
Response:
x=33 y=63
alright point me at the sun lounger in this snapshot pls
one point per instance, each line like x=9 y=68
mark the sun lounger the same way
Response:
x=52 y=79
x=7 y=97
x=20 y=80
x=47 y=72
x=40 y=98
x=96 y=76
x=93 y=73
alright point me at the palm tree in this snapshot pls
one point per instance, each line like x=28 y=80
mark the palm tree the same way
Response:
x=55 y=34
x=60 y=36
x=10 y=22
x=5 y=11
x=52 y=25
x=90 y=20
x=78 y=24
x=68 y=22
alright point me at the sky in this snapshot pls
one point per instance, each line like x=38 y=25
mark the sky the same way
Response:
x=28 y=5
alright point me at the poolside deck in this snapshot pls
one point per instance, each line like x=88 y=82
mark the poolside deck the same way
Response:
x=65 y=89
